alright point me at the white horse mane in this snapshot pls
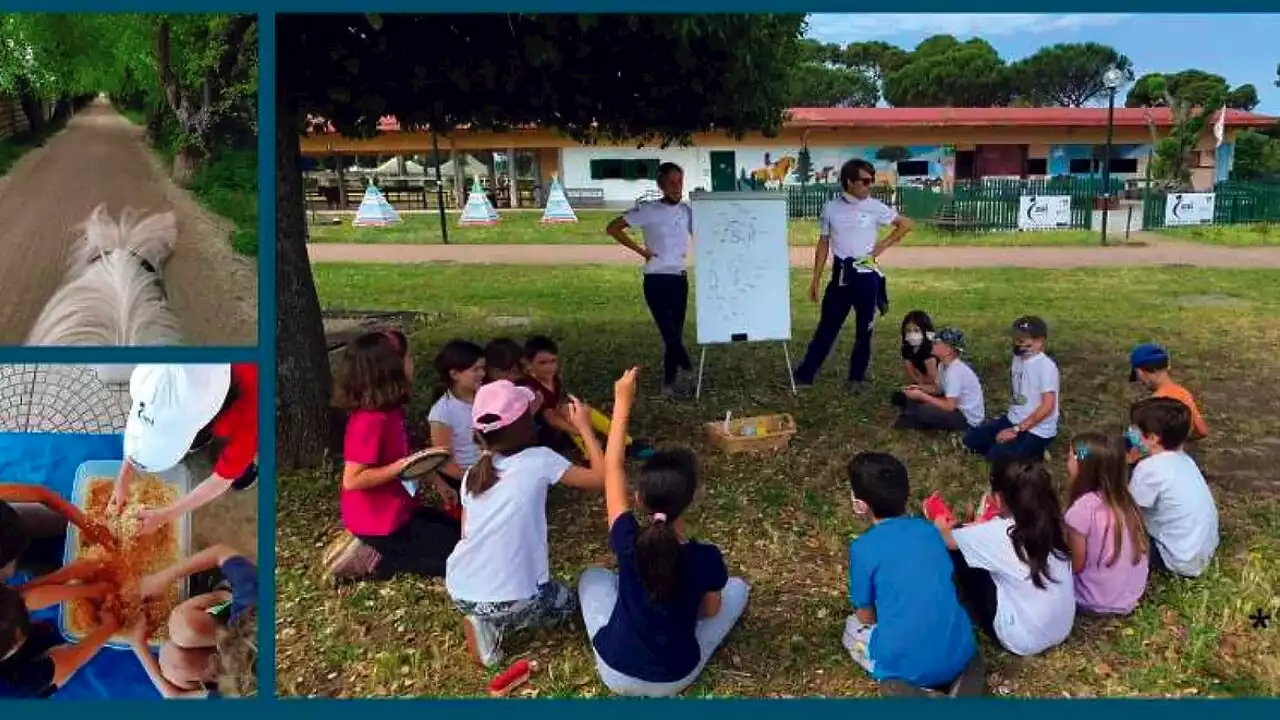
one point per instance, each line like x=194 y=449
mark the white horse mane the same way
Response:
x=109 y=296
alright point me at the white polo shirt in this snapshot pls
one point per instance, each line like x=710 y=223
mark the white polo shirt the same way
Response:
x=666 y=229
x=854 y=225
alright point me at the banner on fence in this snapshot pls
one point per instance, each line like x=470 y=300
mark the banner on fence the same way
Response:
x=1188 y=208
x=1044 y=212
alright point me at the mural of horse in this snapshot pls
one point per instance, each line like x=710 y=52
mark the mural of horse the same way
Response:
x=774 y=174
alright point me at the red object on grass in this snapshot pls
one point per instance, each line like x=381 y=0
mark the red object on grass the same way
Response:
x=988 y=510
x=936 y=507
x=511 y=678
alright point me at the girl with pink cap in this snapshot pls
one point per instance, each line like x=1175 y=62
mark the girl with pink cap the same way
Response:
x=499 y=574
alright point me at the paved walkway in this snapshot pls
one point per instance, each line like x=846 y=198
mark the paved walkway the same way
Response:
x=1157 y=252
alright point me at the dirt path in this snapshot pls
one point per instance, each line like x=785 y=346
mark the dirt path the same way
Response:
x=102 y=158
x=1158 y=252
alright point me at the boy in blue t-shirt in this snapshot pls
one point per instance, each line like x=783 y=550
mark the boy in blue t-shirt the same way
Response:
x=908 y=625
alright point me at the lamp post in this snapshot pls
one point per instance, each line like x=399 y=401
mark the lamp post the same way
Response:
x=1111 y=79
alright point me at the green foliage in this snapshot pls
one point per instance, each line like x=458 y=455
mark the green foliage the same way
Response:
x=228 y=185
x=804 y=166
x=1195 y=87
x=944 y=72
x=1257 y=156
x=820 y=77
x=1068 y=74
x=892 y=154
x=627 y=77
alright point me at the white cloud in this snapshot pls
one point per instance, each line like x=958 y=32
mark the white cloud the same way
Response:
x=848 y=27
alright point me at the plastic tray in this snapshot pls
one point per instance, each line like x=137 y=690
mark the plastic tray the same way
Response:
x=178 y=477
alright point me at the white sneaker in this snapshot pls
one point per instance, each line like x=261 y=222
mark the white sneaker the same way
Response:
x=484 y=640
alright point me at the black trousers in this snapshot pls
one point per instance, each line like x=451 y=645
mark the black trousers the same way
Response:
x=861 y=293
x=977 y=593
x=918 y=415
x=419 y=547
x=668 y=299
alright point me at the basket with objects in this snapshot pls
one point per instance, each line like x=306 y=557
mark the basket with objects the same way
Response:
x=763 y=433
x=136 y=557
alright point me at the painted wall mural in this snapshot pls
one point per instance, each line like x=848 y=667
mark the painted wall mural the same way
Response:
x=1060 y=156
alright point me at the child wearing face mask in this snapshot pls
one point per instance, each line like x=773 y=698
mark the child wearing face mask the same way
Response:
x=1029 y=427
x=917 y=355
x=959 y=404
x=908 y=624
x=1170 y=490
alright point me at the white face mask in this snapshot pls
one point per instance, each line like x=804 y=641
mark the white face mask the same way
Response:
x=914 y=339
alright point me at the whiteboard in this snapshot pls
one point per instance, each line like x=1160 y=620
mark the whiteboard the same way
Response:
x=742 y=266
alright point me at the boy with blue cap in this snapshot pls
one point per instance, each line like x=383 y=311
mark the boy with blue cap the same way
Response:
x=1149 y=365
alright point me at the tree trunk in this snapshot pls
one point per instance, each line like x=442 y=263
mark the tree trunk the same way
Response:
x=32 y=106
x=185 y=164
x=303 y=380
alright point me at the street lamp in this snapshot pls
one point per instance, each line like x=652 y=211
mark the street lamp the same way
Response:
x=1112 y=80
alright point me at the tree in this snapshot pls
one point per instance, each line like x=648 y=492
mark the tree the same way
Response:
x=944 y=72
x=820 y=78
x=198 y=69
x=1195 y=87
x=892 y=154
x=656 y=78
x=804 y=166
x=1068 y=74
x=1172 y=161
x=1257 y=156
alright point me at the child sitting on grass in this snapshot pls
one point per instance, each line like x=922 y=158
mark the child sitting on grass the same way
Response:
x=1109 y=548
x=555 y=430
x=656 y=622
x=1149 y=365
x=917 y=352
x=1014 y=570
x=499 y=574
x=390 y=532
x=1031 y=424
x=959 y=405
x=908 y=624
x=460 y=366
x=35 y=661
x=1167 y=485
x=504 y=360
x=211 y=650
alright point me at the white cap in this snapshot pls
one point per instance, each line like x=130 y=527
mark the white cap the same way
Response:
x=171 y=404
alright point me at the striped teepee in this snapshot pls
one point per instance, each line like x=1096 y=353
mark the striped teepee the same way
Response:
x=558 y=209
x=479 y=211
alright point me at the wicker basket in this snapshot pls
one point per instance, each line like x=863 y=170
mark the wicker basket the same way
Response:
x=779 y=429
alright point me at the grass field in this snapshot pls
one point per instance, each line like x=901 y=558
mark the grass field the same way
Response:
x=1261 y=235
x=784 y=521
x=525 y=228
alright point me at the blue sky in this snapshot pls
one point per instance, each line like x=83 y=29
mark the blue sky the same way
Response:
x=1241 y=48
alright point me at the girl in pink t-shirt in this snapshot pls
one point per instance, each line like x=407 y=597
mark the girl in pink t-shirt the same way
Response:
x=375 y=386
x=1109 y=550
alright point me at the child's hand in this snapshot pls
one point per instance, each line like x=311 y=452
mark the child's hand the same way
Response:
x=1007 y=436
x=914 y=392
x=139 y=633
x=107 y=619
x=944 y=522
x=448 y=496
x=624 y=390
x=579 y=415
x=99 y=534
x=152 y=519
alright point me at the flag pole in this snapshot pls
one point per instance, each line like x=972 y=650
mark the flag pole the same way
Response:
x=435 y=151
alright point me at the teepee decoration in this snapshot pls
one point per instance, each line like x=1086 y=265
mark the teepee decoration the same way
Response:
x=479 y=211
x=558 y=209
x=374 y=210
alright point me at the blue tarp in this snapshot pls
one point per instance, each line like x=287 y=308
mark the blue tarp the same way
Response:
x=51 y=460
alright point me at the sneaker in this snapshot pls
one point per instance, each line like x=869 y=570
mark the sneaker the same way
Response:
x=484 y=641
x=347 y=559
x=973 y=681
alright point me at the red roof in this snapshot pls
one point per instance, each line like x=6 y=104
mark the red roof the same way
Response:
x=1019 y=117
x=973 y=117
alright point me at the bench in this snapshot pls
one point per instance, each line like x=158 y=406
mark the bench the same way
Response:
x=585 y=197
x=951 y=221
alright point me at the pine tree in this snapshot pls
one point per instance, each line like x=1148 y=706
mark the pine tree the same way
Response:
x=804 y=166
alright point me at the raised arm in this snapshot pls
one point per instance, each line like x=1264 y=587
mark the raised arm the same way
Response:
x=615 y=473
x=362 y=477
x=592 y=477
x=207 y=559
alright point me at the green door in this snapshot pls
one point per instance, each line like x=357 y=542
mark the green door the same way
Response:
x=724 y=171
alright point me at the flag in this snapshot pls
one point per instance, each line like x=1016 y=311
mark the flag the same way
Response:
x=1220 y=127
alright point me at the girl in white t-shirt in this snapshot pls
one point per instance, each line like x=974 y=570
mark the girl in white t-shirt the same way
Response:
x=1014 y=570
x=499 y=573
x=460 y=368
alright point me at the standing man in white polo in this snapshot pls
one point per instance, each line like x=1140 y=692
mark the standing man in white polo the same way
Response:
x=848 y=230
x=667 y=225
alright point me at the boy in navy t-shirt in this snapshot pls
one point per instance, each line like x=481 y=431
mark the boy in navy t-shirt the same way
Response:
x=908 y=625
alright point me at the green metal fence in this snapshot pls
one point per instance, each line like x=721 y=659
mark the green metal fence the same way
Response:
x=1234 y=203
x=978 y=205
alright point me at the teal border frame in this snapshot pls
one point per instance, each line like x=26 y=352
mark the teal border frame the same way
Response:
x=267 y=705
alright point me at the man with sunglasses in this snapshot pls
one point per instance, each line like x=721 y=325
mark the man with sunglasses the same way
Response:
x=848 y=230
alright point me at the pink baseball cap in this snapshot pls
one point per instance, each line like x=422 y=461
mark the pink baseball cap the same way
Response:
x=498 y=404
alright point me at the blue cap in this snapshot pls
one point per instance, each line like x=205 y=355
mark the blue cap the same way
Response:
x=1146 y=354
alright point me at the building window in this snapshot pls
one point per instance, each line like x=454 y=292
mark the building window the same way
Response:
x=1081 y=166
x=613 y=169
x=1037 y=166
x=913 y=168
x=1123 y=166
